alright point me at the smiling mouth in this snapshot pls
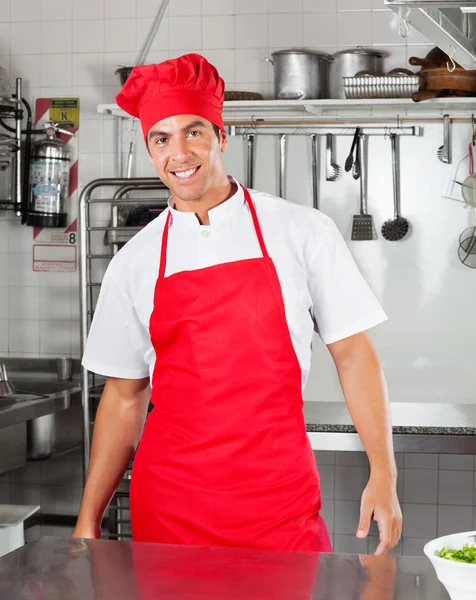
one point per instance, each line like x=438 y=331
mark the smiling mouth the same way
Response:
x=185 y=175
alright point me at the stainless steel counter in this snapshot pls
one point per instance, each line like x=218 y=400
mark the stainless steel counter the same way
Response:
x=69 y=569
x=417 y=427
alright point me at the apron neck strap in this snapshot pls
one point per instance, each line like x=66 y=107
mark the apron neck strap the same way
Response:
x=165 y=235
x=254 y=216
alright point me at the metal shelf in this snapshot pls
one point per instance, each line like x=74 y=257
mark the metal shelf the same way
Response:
x=324 y=109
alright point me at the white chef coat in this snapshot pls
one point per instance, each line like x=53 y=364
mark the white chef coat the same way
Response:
x=323 y=289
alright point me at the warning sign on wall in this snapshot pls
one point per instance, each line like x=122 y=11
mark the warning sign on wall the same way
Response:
x=57 y=258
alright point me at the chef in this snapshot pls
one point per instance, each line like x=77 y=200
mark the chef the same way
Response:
x=209 y=312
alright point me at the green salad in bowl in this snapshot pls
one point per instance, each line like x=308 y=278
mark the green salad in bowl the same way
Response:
x=467 y=554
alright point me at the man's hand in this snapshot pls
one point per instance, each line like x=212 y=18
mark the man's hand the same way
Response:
x=380 y=502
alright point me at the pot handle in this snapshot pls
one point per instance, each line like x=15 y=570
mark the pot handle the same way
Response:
x=270 y=60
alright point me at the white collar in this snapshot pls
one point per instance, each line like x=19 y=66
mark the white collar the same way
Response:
x=221 y=213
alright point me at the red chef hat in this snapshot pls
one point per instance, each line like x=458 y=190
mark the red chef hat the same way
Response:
x=187 y=85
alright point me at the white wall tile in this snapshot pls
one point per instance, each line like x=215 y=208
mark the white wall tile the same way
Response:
x=346 y=516
x=25 y=38
x=385 y=28
x=56 y=37
x=454 y=519
x=24 y=302
x=4 y=269
x=326 y=476
x=352 y=459
x=457 y=462
x=90 y=168
x=327 y=513
x=223 y=61
x=5 y=41
x=4 y=335
x=251 y=66
x=251 y=31
x=218 y=32
x=148 y=8
x=75 y=339
x=29 y=474
x=4 y=493
x=21 y=270
x=354 y=29
x=420 y=486
x=88 y=69
x=120 y=35
x=349 y=544
x=55 y=303
x=420 y=520
x=353 y=5
x=91 y=137
x=24 y=10
x=414 y=546
x=350 y=482
x=25 y=494
x=184 y=32
x=119 y=9
x=379 y=5
x=185 y=8
x=421 y=461
x=456 y=487
x=56 y=70
x=320 y=29
x=4 y=229
x=218 y=7
x=56 y=10
x=4 y=302
x=54 y=279
x=88 y=36
x=285 y=30
x=24 y=335
x=249 y=7
x=88 y=9
x=28 y=67
x=20 y=238
x=161 y=39
x=324 y=457
x=284 y=6
x=56 y=499
x=55 y=337
x=313 y=6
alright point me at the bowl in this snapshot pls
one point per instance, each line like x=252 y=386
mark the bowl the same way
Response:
x=458 y=578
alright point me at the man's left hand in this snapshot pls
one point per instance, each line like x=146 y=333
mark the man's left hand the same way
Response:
x=380 y=502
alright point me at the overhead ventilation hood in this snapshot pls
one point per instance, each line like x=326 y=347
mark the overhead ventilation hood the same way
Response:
x=450 y=25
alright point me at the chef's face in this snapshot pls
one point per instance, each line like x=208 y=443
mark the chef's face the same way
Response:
x=186 y=152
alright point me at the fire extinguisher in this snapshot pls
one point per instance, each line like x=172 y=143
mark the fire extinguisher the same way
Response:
x=48 y=180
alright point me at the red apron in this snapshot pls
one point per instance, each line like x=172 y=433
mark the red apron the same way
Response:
x=225 y=459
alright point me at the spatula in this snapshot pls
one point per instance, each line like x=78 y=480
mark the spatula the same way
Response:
x=363 y=224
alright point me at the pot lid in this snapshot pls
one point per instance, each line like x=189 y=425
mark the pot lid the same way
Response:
x=298 y=51
x=361 y=51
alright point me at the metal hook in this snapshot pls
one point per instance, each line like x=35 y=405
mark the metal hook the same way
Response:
x=451 y=56
x=407 y=29
x=254 y=125
x=473 y=123
x=385 y=134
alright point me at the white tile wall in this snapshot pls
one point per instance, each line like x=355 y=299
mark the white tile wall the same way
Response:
x=65 y=47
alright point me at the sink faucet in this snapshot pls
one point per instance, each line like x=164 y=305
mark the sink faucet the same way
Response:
x=6 y=388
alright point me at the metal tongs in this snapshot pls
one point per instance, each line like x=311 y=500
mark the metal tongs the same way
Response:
x=350 y=163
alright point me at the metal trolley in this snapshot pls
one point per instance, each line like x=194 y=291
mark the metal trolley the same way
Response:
x=100 y=238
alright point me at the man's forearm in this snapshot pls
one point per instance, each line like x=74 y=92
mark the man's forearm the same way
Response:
x=118 y=427
x=365 y=391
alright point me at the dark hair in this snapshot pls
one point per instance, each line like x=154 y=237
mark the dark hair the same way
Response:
x=217 y=130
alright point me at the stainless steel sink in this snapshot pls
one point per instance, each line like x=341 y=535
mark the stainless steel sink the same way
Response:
x=44 y=415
